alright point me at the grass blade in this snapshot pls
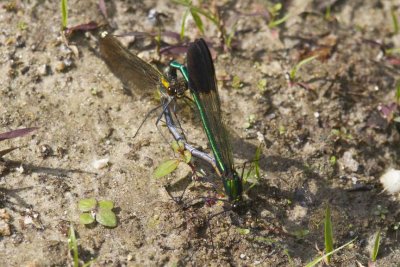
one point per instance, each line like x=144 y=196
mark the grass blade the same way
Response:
x=328 y=233
x=319 y=259
x=73 y=245
x=395 y=21
x=64 y=13
x=182 y=33
x=377 y=242
x=197 y=20
x=297 y=67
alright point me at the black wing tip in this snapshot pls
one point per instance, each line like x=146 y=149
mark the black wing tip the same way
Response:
x=200 y=67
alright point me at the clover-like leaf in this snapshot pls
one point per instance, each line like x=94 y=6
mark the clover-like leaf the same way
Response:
x=106 y=217
x=87 y=204
x=166 y=168
x=106 y=204
x=86 y=218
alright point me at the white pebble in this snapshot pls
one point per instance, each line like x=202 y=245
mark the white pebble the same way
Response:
x=391 y=181
x=100 y=163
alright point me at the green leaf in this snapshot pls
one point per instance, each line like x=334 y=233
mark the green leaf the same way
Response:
x=243 y=231
x=166 y=168
x=299 y=234
x=64 y=13
x=377 y=242
x=73 y=245
x=317 y=260
x=86 y=218
x=106 y=217
x=187 y=155
x=275 y=23
x=87 y=204
x=328 y=233
x=236 y=83
x=106 y=204
x=395 y=21
x=184 y=18
x=262 y=85
x=197 y=19
x=297 y=67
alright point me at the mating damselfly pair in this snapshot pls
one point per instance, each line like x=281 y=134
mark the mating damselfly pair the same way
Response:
x=199 y=77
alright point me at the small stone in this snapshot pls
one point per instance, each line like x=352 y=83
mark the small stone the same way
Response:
x=348 y=162
x=60 y=66
x=43 y=70
x=242 y=256
x=5 y=229
x=100 y=163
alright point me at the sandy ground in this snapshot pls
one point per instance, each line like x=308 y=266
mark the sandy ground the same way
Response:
x=85 y=115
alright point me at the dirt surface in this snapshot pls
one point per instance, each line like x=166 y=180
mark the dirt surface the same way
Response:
x=324 y=139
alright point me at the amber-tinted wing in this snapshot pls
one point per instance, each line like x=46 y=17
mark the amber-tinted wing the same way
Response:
x=134 y=73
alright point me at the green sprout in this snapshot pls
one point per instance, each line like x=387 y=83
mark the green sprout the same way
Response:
x=293 y=72
x=395 y=21
x=64 y=13
x=253 y=175
x=100 y=211
x=381 y=211
x=274 y=11
x=328 y=233
x=321 y=258
x=398 y=92
x=197 y=13
x=73 y=246
x=171 y=165
x=377 y=242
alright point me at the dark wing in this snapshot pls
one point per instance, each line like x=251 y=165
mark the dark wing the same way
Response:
x=133 y=72
x=203 y=85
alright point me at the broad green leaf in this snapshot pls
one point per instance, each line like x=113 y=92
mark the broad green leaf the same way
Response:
x=328 y=233
x=187 y=155
x=166 y=168
x=106 y=217
x=86 y=218
x=87 y=204
x=197 y=20
x=106 y=204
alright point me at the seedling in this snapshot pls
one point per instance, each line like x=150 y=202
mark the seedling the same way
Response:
x=100 y=211
x=294 y=70
x=395 y=21
x=73 y=247
x=321 y=258
x=196 y=13
x=64 y=14
x=274 y=12
x=253 y=175
x=377 y=242
x=171 y=165
x=381 y=212
x=328 y=233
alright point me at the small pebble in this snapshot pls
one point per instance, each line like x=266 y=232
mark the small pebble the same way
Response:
x=100 y=163
x=43 y=70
